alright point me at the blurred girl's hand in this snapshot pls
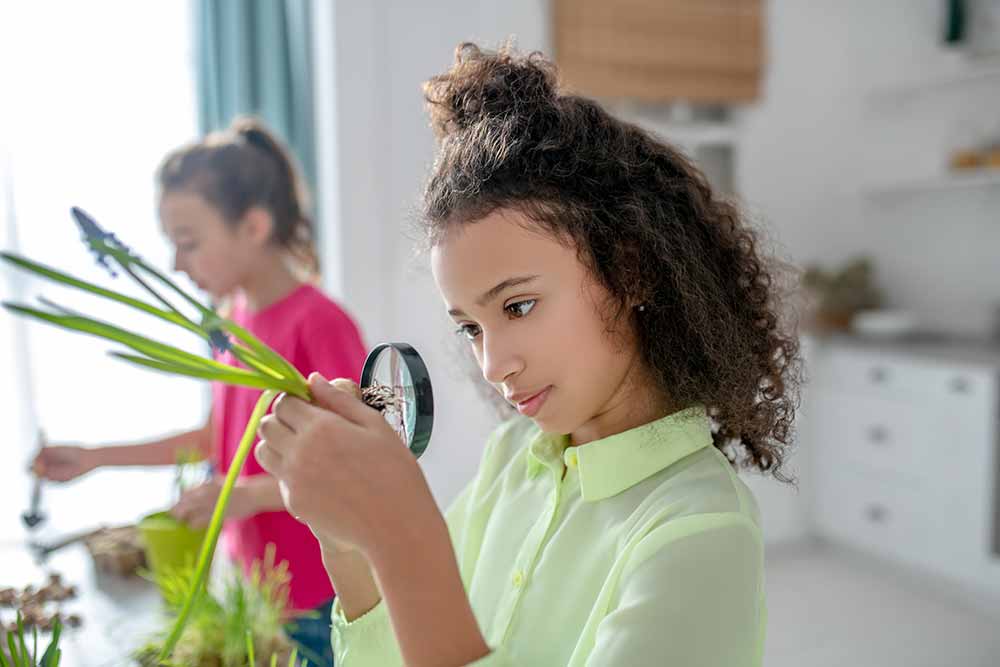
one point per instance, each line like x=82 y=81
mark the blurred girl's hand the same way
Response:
x=343 y=470
x=61 y=463
x=197 y=504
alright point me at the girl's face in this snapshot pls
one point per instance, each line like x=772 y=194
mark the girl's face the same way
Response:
x=536 y=320
x=215 y=255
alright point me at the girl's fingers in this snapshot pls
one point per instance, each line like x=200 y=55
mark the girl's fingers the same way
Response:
x=275 y=432
x=344 y=403
x=179 y=512
x=293 y=412
x=267 y=457
x=349 y=386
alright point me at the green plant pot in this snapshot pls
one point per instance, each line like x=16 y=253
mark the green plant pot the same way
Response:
x=171 y=545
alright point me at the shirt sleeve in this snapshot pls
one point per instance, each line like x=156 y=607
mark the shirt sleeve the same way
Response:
x=369 y=641
x=691 y=594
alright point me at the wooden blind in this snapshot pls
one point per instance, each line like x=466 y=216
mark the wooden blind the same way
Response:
x=706 y=51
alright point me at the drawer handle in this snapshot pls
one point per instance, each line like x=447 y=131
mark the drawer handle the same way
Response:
x=960 y=385
x=876 y=513
x=878 y=435
x=878 y=375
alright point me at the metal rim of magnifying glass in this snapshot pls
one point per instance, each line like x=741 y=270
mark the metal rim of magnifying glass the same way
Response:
x=424 y=397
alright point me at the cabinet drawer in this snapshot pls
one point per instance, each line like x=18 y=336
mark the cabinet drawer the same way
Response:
x=876 y=513
x=896 y=518
x=871 y=374
x=880 y=433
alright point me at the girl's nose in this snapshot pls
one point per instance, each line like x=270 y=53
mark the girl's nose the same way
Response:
x=498 y=362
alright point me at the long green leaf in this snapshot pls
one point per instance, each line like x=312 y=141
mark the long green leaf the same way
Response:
x=3 y=657
x=14 y=659
x=149 y=288
x=263 y=351
x=248 y=635
x=242 y=379
x=212 y=535
x=147 y=346
x=204 y=310
x=51 y=656
x=66 y=279
x=246 y=355
x=25 y=658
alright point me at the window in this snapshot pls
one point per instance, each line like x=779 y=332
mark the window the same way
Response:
x=100 y=91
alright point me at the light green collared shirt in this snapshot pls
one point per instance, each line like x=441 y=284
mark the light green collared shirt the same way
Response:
x=642 y=548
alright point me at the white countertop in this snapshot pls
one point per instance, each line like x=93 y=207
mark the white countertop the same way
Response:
x=972 y=352
x=118 y=612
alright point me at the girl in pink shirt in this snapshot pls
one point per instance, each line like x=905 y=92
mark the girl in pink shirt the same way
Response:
x=234 y=208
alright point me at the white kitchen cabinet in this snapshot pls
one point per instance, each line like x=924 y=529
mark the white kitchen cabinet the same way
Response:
x=903 y=446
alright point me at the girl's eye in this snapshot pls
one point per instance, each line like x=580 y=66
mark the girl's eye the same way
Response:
x=515 y=311
x=186 y=247
x=470 y=331
x=519 y=309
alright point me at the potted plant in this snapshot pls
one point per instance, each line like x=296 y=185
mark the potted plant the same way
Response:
x=171 y=544
x=240 y=625
x=837 y=295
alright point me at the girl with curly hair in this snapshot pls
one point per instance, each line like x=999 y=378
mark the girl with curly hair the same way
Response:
x=627 y=313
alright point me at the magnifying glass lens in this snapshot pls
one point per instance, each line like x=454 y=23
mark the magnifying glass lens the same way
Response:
x=396 y=376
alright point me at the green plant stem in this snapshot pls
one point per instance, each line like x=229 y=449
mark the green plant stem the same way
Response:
x=207 y=312
x=215 y=526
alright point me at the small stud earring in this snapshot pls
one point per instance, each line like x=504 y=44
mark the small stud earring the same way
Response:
x=642 y=308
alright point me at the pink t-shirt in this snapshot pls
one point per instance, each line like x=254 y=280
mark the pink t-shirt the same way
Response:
x=314 y=334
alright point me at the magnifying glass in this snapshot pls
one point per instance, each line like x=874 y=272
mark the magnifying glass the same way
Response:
x=395 y=381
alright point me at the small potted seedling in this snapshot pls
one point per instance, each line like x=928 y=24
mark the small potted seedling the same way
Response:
x=169 y=542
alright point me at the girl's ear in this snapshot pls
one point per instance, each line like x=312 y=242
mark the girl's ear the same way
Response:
x=258 y=225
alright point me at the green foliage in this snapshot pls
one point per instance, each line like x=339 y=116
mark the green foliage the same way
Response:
x=14 y=649
x=845 y=290
x=265 y=368
x=241 y=625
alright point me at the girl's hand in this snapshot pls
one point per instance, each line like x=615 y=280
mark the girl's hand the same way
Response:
x=342 y=469
x=63 y=463
x=197 y=504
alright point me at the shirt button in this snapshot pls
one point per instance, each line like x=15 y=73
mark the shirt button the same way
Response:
x=571 y=459
x=518 y=578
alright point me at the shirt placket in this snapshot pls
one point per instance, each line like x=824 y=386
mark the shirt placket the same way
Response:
x=524 y=565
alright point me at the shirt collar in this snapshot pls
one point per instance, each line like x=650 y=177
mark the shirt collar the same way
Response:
x=618 y=462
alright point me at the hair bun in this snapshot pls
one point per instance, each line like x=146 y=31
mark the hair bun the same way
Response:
x=254 y=132
x=488 y=85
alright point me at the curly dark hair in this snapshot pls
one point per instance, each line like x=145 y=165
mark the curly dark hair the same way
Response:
x=644 y=221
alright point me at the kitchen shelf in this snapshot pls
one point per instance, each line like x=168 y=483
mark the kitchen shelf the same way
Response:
x=697 y=134
x=984 y=178
x=902 y=89
x=682 y=125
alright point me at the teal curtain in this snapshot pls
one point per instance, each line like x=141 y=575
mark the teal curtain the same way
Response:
x=254 y=57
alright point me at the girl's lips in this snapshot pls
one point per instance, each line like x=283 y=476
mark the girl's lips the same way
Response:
x=530 y=406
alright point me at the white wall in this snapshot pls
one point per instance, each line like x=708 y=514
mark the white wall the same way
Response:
x=376 y=149
x=818 y=140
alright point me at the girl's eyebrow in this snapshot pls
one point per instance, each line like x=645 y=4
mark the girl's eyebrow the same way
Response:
x=495 y=291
